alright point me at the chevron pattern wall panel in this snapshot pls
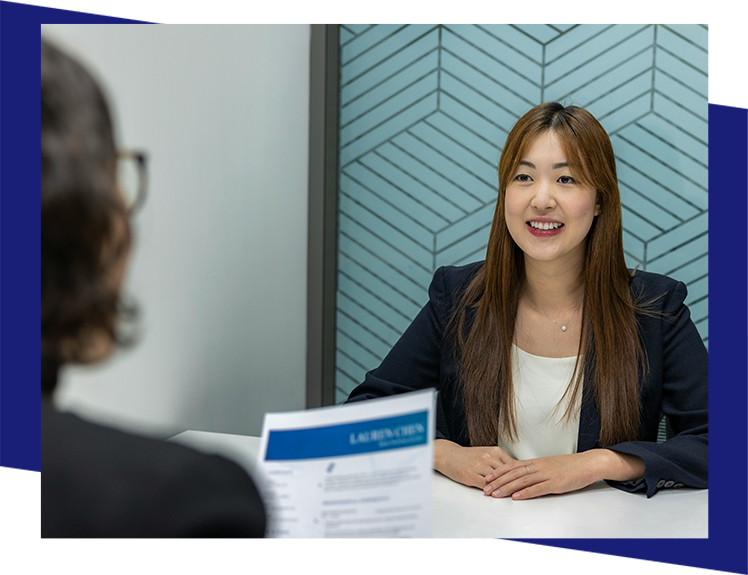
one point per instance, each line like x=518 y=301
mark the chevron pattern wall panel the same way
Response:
x=424 y=112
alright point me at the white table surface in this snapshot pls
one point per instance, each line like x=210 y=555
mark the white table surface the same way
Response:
x=595 y=512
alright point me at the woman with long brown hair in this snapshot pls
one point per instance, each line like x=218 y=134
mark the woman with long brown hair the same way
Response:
x=553 y=361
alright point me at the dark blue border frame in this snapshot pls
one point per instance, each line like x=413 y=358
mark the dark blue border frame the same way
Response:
x=728 y=133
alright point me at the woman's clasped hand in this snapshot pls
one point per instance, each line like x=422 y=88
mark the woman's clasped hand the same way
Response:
x=492 y=470
x=468 y=465
x=525 y=479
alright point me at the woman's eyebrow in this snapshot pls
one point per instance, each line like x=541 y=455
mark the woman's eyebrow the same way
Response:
x=553 y=167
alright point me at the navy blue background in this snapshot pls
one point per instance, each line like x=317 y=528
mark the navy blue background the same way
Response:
x=728 y=155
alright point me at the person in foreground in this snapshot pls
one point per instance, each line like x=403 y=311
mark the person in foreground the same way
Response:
x=553 y=361
x=97 y=481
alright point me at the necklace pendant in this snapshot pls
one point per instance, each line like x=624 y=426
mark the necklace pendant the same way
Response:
x=563 y=328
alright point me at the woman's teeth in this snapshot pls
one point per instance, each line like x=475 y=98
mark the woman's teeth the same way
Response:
x=545 y=225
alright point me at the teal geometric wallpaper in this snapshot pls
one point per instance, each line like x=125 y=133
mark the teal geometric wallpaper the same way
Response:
x=424 y=113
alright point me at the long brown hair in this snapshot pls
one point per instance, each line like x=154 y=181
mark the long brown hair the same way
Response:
x=611 y=357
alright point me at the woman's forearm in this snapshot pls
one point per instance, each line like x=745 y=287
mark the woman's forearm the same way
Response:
x=614 y=466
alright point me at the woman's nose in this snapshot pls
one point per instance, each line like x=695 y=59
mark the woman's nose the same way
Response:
x=544 y=198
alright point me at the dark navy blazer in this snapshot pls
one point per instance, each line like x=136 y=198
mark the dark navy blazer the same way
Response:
x=102 y=482
x=676 y=383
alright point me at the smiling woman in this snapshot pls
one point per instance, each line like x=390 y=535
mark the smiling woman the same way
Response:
x=554 y=362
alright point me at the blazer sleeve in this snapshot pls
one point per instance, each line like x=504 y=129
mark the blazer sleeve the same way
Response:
x=679 y=365
x=413 y=363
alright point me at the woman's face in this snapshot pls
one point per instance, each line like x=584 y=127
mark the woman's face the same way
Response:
x=547 y=211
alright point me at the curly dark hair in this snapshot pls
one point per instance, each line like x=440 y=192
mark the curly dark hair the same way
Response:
x=82 y=216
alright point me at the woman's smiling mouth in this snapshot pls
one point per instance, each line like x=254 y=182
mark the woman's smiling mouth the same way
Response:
x=544 y=229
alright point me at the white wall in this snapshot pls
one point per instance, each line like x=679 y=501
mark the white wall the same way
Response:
x=219 y=265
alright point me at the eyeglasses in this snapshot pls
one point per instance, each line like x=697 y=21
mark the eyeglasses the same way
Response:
x=132 y=178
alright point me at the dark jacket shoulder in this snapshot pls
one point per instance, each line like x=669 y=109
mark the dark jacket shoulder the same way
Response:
x=102 y=482
x=649 y=287
x=456 y=278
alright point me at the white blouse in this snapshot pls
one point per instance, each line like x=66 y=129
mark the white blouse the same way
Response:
x=539 y=385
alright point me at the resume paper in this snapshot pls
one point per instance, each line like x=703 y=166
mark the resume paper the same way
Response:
x=356 y=470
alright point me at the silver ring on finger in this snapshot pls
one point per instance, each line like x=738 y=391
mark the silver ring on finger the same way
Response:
x=528 y=468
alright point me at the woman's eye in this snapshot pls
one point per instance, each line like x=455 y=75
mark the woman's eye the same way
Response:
x=523 y=178
x=566 y=180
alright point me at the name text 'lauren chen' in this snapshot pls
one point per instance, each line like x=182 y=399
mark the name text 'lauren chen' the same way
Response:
x=387 y=433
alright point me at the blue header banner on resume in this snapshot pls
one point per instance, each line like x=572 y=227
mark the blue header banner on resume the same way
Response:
x=349 y=438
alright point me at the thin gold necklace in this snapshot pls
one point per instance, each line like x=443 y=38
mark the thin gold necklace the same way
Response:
x=563 y=327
